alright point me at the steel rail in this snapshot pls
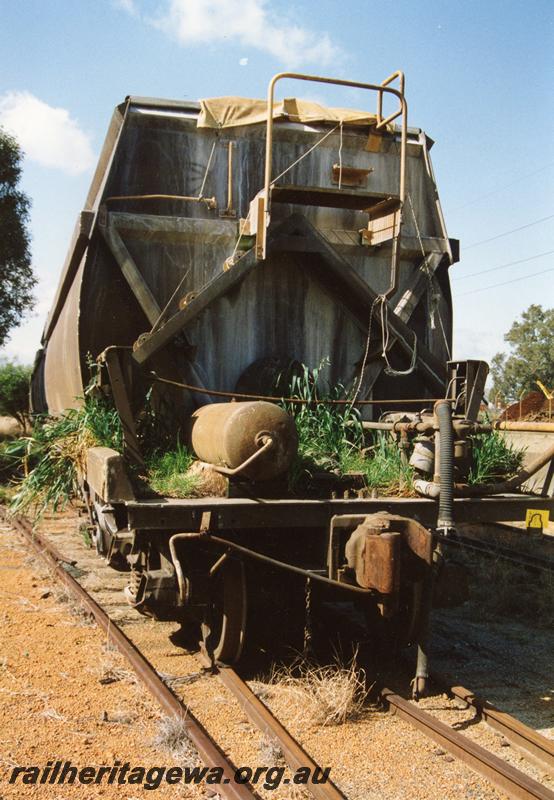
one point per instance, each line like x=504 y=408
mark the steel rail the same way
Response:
x=504 y=776
x=531 y=742
x=295 y=756
x=260 y=715
x=207 y=748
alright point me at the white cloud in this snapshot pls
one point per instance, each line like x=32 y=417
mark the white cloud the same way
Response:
x=248 y=22
x=243 y=62
x=47 y=135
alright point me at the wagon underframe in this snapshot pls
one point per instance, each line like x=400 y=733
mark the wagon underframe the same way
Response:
x=187 y=515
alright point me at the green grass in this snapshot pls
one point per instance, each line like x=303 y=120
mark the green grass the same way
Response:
x=166 y=472
x=57 y=448
x=384 y=469
x=494 y=458
x=331 y=439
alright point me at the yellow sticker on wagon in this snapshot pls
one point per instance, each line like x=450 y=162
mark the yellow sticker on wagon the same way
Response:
x=537 y=518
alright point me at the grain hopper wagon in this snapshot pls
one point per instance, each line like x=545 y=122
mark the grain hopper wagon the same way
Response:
x=222 y=242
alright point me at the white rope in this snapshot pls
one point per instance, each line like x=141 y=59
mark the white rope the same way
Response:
x=298 y=160
x=201 y=192
x=385 y=342
x=389 y=369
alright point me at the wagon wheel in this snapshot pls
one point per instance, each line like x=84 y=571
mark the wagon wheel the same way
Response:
x=224 y=625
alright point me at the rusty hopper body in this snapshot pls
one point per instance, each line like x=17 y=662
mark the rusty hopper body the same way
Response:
x=139 y=250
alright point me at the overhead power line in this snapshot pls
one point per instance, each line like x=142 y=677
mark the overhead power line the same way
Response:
x=504 y=186
x=505 y=283
x=502 y=266
x=513 y=230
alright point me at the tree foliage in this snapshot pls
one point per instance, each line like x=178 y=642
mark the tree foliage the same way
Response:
x=16 y=275
x=531 y=355
x=14 y=391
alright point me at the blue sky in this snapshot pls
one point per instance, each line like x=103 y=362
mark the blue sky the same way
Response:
x=478 y=80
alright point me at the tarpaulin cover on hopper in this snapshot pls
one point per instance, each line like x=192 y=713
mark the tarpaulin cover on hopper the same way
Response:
x=229 y=112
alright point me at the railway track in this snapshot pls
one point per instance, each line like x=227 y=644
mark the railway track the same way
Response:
x=512 y=781
x=208 y=749
x=504 y=776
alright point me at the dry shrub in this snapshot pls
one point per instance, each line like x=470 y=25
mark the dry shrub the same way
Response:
x=173 y=737
x=111 y=668
x=180 y=680
x=327 y=695
x=51 y=713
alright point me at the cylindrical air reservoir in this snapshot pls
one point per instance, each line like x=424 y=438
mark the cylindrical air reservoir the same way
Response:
x=227 y=434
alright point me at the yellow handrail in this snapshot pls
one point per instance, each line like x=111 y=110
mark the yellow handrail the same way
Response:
x=381 y=123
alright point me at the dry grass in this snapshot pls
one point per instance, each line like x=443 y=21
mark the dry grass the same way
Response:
x=110 y=668
x=260 y=689
x=173 y=737
x=270 y=752
x=121 y=716
x=328 y=695
x=51 y=713
x=80 y=614
x=180 y=680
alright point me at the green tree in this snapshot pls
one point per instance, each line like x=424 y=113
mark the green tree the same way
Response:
x=14 y=391
x=530 y=357
x=16 y=275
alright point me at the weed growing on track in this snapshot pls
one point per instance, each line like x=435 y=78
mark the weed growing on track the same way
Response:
x=173 y=737
x=327 y=695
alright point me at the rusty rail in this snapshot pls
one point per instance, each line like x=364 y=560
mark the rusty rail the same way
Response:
x=207 y=748
x=258 y=713
x=504 y=776
x=537 y=747
x=295 y=756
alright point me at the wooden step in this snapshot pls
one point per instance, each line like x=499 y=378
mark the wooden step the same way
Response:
x=376 y=203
